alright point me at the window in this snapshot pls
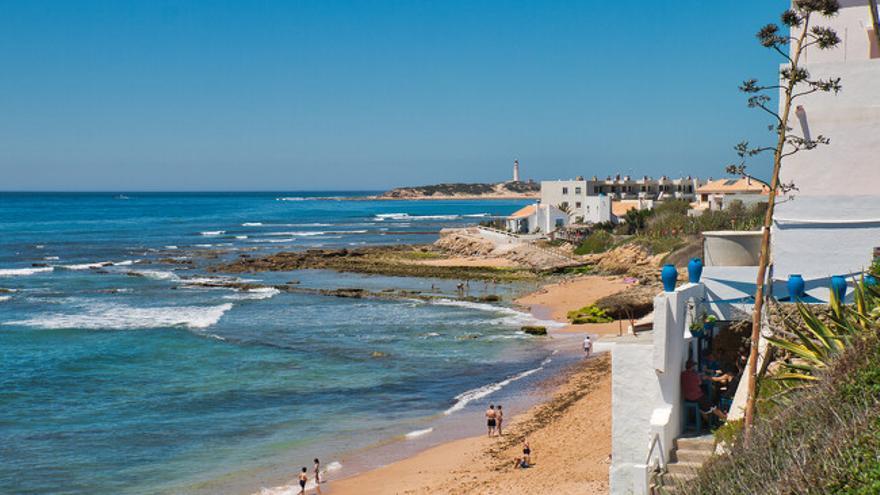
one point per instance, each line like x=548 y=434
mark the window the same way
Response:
x=577 y=191
x=577 y=204
x=563 y=205
x=595 y=189
x=564 y=190
x=560 y=223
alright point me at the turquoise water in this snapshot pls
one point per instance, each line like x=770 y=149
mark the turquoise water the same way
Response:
x=116 y=377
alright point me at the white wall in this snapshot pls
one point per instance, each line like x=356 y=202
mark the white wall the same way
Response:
x=833 y=223
x=853 y=24
x=646 y=390
x=593 y=209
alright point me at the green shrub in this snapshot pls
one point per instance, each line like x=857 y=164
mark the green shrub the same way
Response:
x=597 y=242
x=588 y=314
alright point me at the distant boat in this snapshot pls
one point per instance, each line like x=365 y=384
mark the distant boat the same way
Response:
x=121 y=196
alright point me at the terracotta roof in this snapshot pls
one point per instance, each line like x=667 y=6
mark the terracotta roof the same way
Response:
x=619 y=208
x=741 y=185
x=526 y=211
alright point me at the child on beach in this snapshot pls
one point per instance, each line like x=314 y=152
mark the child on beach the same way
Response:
x=303 y=477
x=588 y=346
x=317 y=475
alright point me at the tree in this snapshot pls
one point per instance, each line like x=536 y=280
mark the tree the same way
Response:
x=794 y=82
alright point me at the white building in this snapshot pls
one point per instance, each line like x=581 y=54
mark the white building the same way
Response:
x=646 y=188
x=832 y=227
x=536 y=218
x=833 y=224
x=719 y=194
x=571 y=196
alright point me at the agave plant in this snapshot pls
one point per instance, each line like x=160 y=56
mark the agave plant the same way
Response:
x=813 y=343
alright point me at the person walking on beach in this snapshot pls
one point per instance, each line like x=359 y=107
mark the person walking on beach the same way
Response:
x=490 y=419
x=303 y=477
x=588 y=346
x=499 y=417
x=317 y=475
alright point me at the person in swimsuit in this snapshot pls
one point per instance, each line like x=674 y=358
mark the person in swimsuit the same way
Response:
x=317 y=475
x=490 y=419
x=303 y=477
x=499 y=416
x=527 y=454
x=588 y=346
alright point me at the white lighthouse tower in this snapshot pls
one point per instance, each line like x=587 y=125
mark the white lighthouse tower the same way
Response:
x=516 y=171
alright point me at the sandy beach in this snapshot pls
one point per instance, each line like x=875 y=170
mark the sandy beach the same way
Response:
x=570 y=434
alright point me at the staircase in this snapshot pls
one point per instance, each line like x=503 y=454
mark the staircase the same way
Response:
x=688 y=457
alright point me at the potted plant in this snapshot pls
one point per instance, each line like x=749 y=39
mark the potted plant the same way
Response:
x=709 y=323
x=696 y=328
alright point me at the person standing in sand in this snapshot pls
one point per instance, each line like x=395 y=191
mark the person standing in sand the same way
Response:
x=303 y=477
x=588 y=346
x=499 y=417
x=317 y=475
x=490 y=419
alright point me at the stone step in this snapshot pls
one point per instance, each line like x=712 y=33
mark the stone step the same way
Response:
x=683 y=467
x=687 y=455
x=706 y=442
x=672 y=480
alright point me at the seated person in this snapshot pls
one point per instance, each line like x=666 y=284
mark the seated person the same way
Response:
x=691 y=391
x=710 y=363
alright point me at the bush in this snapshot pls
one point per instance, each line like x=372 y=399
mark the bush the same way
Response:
x=597 y=242
x=588 y=314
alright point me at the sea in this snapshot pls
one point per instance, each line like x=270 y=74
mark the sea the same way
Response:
x=119 y=375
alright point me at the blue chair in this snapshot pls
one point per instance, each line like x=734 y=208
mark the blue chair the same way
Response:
x=690 y=408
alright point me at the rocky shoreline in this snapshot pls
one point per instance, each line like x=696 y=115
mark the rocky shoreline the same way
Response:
x=394 y=260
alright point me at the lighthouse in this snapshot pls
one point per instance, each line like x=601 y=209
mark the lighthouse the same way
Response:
x=516 y=171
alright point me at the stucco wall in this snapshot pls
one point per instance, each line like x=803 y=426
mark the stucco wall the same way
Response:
x=646 y=389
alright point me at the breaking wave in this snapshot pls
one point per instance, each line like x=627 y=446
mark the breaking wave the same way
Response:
x=213 y=232
x=23 y=272
x=512 y=317
x=464 y=398
x=109 y=316
x=418 y=433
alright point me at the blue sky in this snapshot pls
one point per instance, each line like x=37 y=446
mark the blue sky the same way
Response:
x=287 y=95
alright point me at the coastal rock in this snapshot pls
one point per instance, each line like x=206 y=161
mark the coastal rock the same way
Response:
x=534 y=330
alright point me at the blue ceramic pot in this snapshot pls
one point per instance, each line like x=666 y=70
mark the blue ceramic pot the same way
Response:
x=708 y=326
x=838 y=285
x=669 y=275
x=696 y=333
x=695 y=270
x=870 y=281
x=795 y=286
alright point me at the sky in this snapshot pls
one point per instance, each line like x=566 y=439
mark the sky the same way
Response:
x=368 y=95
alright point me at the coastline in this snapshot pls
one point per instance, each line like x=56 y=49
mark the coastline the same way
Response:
x=573 y=410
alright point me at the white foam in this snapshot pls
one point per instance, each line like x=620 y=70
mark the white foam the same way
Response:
x=406 y=216
x=88 y=266
x=464 y=398
x=252 y=224
x=255 y=294
x=334 y=466
x=298 y=233
x=5 y=298
x=291 y=198
x=111 y=316
x=203 y=245
x=51 y=258
x=476 y=215
x=170 y=247
x=241 y=237
x=213 y=232
x=513 y=317
x=293 y=487
x=23 y=272
x=125 y=263
x=418 y=433
x=156 y=274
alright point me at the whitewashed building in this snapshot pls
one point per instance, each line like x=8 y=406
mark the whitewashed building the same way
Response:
x=571 y=196
x=536 y=218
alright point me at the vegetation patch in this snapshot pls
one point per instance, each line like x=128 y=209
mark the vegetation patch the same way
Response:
x=588 y=314
x=597 y=242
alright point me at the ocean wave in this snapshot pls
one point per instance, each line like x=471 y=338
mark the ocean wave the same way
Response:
x=23 y=272
x=154 y=274
x=212 y=232
x=293 y=487
x=464 y=398
x=5 y=298
x=109 y=316
x=512 y=317
x=418 y=433
x=255 y=294
x=292 y=198
x=87 y=266
x=252 y=224
x=298 y=233
x=125 y=263
x=406 y=216
x=476 y=215
x=241 y=237
x=170 y=247
x=51 y=258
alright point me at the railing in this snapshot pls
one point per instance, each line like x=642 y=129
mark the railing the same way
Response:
x=661 y=467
